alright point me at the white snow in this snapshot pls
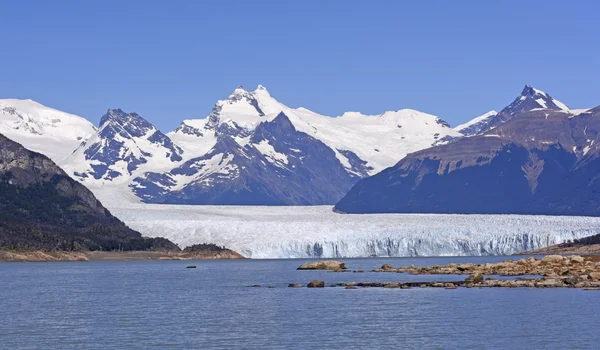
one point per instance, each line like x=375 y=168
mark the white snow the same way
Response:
x=576 y=112
x=273 y=156
x=588 y=147
x=539 y=92
x=560 y=105
x=42 y=129
x=541 y=102
x=480 y=119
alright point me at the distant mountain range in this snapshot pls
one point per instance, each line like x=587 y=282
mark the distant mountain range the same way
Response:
x=253 y=150
x=536 y=156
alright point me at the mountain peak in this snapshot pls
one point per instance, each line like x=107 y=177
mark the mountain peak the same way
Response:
x=530 y=91
x=261 y=89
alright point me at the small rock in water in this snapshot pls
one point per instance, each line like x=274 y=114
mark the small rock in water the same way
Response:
x=358 y=271
x=323 y=265
x=316 y=284
x=294 y=285
x=255 y=286
x=191 y=267
x=350 y=287
x=271 y=287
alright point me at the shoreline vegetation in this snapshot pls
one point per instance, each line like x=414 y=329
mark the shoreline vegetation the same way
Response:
x=195 y=252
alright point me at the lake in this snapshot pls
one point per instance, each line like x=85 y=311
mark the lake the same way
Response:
x=161 y=304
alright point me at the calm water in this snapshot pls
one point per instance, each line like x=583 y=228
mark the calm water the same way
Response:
x=161 y=304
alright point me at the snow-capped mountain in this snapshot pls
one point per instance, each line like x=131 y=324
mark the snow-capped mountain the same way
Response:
x=540 y=161
x=530 y=99
x=274 y=165
x=42 y=129
x=124 y=143
x=252 y=149
x=379 y=140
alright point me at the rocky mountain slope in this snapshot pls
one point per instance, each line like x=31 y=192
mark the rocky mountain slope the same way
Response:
x=541 y=160
x=41 y=207
x=123 y=143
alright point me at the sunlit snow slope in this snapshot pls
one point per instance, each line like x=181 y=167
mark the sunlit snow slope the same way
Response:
x=42 y=129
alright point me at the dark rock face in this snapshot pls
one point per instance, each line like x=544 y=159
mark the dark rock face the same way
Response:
x=42 y=208
x=539 y=162
x=278 y=166
x=117 y=134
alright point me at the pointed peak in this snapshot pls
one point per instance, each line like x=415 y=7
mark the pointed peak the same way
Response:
x=238 y=93
x=119 y=116
x=239 y=89
x=529 y=90
x=112 y=114
x=261 y=89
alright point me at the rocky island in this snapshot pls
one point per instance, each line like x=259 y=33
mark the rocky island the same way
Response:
x=551 y=271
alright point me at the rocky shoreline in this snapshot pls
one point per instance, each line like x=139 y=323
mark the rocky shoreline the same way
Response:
x=554 y=271
x=566 y=249
x=42 y=256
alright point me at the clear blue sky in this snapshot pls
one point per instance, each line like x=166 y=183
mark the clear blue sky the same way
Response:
x=171 y=60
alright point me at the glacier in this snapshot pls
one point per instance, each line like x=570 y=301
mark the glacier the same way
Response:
x=262 y=232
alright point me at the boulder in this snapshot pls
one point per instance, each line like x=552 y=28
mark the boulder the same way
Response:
x=595 y=276
x=476 y=277
x=323 y=265
x=387 y=267
x=553 y=259
x=571 y=280
x=576 y=259
x=316 y=284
